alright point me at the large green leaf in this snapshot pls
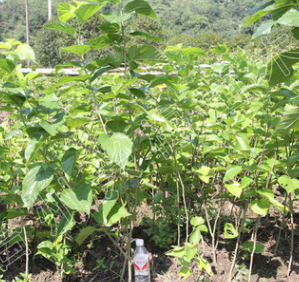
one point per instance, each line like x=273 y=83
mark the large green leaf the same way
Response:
x=84 y=12
x=248 y=246
x=79 y=199
x=108 y=203
x=232 y=172
x=115 y=215
x=24 y=51
x=178 y=252
x=290 y=18
x=68 y=162
x=260 y=207
x=84 y=233
x=35 y=181
x=234 y=188
x=145 y=35
x=66 y=11
x=195 y=236
x=280 y=68
x=269 y=196
x=77 y=49
x=78 y=121
x=289 y=120
x=118 y=147
x=140 y=7
x=64 y=27
x=289 y=184
x=145 y=52
x=263 y=29
x=7 y=65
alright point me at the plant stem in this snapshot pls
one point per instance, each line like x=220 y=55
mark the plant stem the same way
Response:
x=254 y=246
x=292 y=235
x=27 y=251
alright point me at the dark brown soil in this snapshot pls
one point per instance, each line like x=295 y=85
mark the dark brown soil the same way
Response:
x=266 y=267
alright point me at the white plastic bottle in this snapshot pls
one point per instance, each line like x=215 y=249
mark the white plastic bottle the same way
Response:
x=141 y=263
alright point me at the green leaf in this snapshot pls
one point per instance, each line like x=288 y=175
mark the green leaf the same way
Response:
x=7 y=65
x=38 y=138
x=66 y=222
x=242 y=143
x=295 y=32
x=111 y=60
x=77 y=49
x=260 y=207
x=290 y=18
x=230 y=231
x=64 y=27
x=78 y=121
x=68 y=162
x=67 y=79
x=269 y=196
x=196 y=221
x=145 y=35
x=258 y=8
x=280 y=68
x=185 y=272
x=36 y=180
x=79 y=199
x=288 y=183
x=232 y=172
x=116 y=214
x=204 y=173
x=137 y=92
x=84 y=233
x=256 y=17
x=24 y=51
x=143 y=52
x=289 y=120
x=108 y=203
x=140 y=7
x=109 y=27
x=178 y=252
x=84 y=12
x=204 y=264
x=51 y=128
x=193 y=51
x=195 y=237
x=66 y=11
x=263 y=29
x=190 y=253
x=248 y=246
x=235 y=189
x=117 y=125
x=157 y=118
x=118 y=147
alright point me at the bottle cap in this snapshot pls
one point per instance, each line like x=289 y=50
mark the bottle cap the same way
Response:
x=139 y=242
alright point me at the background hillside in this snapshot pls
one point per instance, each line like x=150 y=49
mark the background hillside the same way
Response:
x=200 y=23
x=192 y=17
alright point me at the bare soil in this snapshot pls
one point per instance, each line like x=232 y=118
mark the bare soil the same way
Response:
x=267 y=265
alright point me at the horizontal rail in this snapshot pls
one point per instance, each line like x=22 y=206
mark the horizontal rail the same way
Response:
x=120 y=70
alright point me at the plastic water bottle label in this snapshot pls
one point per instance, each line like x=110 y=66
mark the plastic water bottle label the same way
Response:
x=141 y=265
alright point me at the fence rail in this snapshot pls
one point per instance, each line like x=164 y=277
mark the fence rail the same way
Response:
x=120 y=70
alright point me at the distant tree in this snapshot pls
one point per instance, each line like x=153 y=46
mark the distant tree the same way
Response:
x=186 y=39
x=150 y=26
x=207 y=40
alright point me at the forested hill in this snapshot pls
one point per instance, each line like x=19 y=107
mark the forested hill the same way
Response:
x=191 y=17
x=223 y=17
